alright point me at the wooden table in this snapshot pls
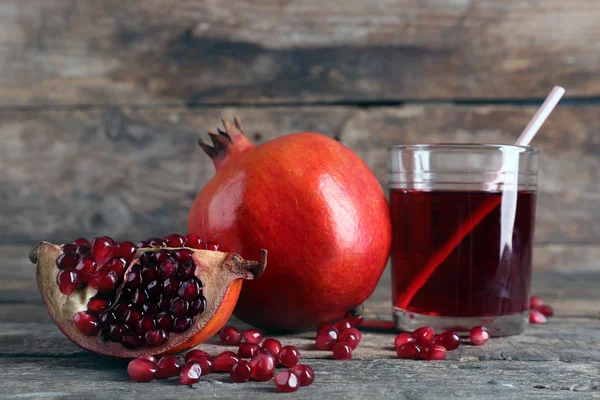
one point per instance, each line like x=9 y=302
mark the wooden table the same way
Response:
x=558 y=360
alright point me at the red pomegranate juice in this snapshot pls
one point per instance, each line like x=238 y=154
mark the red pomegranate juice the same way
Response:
x=487 y=274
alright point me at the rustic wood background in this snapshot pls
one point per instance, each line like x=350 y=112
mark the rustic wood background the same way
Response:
x=102 y=102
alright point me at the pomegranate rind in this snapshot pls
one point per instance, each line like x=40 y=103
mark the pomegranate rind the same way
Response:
x=221 y=274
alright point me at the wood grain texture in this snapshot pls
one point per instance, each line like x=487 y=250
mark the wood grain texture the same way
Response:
x=185 y=51
x=134 y=172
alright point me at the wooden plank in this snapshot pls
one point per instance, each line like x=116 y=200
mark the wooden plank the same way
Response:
x=182 y=51
x=134 y=172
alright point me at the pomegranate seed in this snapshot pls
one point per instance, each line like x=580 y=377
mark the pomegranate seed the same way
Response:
x=183 y=255
x=192 y=355
x=352 y=331
x=326 y=339
x=289 y=356
x=168 y=366
x=287 y=381
x=403 y=338
x=125 y=249
x=148 y=357
x=116 y=264
x=116 y=332
x=182 y=324
x=325 y=325
x=139 y=297
x=142 y=244
x=449 y=340
x=81 y=242
x=156 y=337
x=433 y=352
x=194 y=241
x=479 y=335
x=536 y=317
x=424 y=335
x=190 y=373
x=86 y=267
x=225 y=361
x=175 y=240
x=83 y=250
x=355 y=316
x=86 y=323
x=68 y=248
x=149 y=275
x=535 y=302
x=186 y=270
x=212 y=246
x=248 y=350
x=197 y=307
x=168 y=268
x=67 y=260
x=241 y=372
x=145 y=324
x=305 y=374
x=102 y=248
x=350 y=338
x=272 y=344
x=98 y=305
x=141 y=370
x=132 y=316
x=342 y=351
x=253 y=336
x=190 y=290
x=263 y=367
x=179 y=307
x=67 y=281
x=132 y=341
x=409 y=351
x=170 y=287
x=207 y=364
x=156 y=242
x=104 y=280
x=546 y=310
x=343 y=325
x=155 y=289
x=133 y=279
x=230 y=335
x=165 y=320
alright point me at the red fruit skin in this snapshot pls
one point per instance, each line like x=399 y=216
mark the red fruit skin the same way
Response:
x=319 y=211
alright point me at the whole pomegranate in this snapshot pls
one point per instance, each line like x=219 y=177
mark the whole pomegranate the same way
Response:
x=314 y=205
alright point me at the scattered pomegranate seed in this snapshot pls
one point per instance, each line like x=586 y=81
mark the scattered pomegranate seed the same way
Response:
x=343 y=325
x=190 y=373
x=192 y=355
x=305 y=373
x=355 y=316
x=168 y=366
x=433 y=352
x=272 y=344
x=230 y=335
x=148 y=357
x=536 y=317
x=450 y=340
x=67 y=281
x=289 y=356
x=262 y=366
x=409 y=351
x=535 y=302
x=86 y=323
x=424 y=335
x=350 y=338
x=546 y=310
x=241 y=372
x=102 y=248
x=403 y=338
x=225 y=361
x=141 y=370
x=248 y=350
x=207 y=363
x=342 y=351
x=325 y=325
x=326 y=339
x=253 y=336
x=287 y=381
x=479 y=335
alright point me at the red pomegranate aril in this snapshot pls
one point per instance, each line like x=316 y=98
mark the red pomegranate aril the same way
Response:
x=193 y=355
x=156 y=242
x=139 y=297
x=197 y=307
x=225 y=361
x=248 y=350
x=120 y=310
x=145 y=324
x=241 y=372
x=142 y=244
x=148 y=275
x=206 y=362
x=183 y=255
x=182 y=324
x=116 y=264
x=343 y=325
x=212 y=246
x=186 y=270
x=449 y=340
x=104 y=280
x=67 y=260
x=536 y=317
x=289 y=356
x=102 y=248
x=433 y=352
x=342 y=351
x=124 y=249
x=167 y=268
x=190 y=373
x=161 y=256
x=116 y=332
x=148 y=357
x=325 y=325
x=133 y=316
x=409 y=351
x=305 y=374
x=352 y=331
x=190 y=290
x=479 y=335
x=86 y=267
x=263 y=367
x=132 y=341
x=424 y=335
x=350 y=338
x=272 y=344
x=194 y=241
x=98 y=305
x=86 y=323
x=168 y=366
x=83 y=250
x=355 y=316
x=326 y=339
x=170 y=287
x=546 y=310
x=287 y=381
x=156 y=337
x=141 y=370
x=155 y=289
x=164 y=321
x=179 y=307
x=535 y=302
x=253 y=336
x=81 y=242
x=175 y=240
x=67 y=281
x=133 y=279
x=403 y=338
x=68 y=248
x=230 y=335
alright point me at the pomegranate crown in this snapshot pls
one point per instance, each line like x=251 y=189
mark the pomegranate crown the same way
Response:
x=226 y=143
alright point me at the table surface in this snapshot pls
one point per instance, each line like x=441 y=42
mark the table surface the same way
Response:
x=557 y=360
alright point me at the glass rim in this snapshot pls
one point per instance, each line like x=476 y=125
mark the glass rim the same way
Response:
x=464 y=146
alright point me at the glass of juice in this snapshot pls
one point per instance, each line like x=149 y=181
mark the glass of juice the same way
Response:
x=463 y=224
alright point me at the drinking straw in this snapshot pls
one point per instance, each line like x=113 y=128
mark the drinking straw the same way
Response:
x=484 y=209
